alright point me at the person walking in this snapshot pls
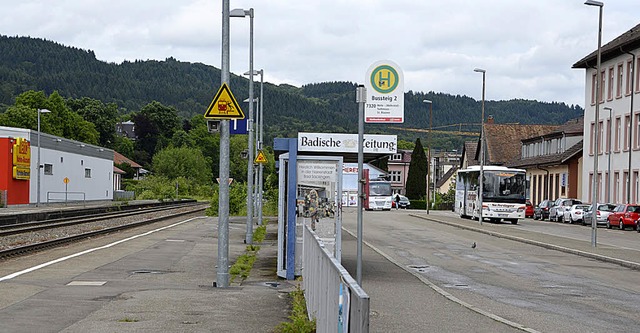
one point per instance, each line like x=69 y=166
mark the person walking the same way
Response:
x=397 y=201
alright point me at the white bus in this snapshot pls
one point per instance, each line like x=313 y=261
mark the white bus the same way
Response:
x=504 y=193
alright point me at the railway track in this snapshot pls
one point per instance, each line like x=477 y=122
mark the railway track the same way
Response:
x=37 y=236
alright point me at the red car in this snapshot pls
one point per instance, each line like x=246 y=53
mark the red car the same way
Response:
x=528 y=211
x=624 y=216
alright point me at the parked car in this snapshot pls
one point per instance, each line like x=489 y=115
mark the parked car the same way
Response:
x=624 y=216
x=528 y=210
x=541 y=211
x=556 y=212
x=602 y=213
x=574 y=214
x=403 y=203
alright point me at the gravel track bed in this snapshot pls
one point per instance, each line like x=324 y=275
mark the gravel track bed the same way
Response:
x=13 y=241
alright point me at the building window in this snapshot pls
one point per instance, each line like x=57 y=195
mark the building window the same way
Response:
x=620 y=80
x=625 y=183
x=87 y=173
x=610 y=84
x=600 y=136
x=592 y=138
x=616 y=146
x=81 y=162
x=48 y=169
x=616 y=186
x=627 y=121
x=608 y=147
x=396 y=157
x=591 y=186
x=637 y=76
x=61 y=159
x=636 y=120
x=396 y=176
x=603 y=80
x=593 y=89
x=634 y=192
x=629 y=77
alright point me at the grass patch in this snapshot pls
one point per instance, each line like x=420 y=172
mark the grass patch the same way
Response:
x=259 y=234
x=242 y=267
x=298 y=319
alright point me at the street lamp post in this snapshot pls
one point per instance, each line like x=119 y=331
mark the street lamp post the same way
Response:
x=429 y=153
x=261 y=142
x=39 y=166
x=609 y=157
x=238 y=12
x=484 y=72
x=594 y=199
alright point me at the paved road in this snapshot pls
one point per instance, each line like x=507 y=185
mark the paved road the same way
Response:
x=541 y=289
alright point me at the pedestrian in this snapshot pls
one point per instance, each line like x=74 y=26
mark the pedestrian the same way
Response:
x=397 y=201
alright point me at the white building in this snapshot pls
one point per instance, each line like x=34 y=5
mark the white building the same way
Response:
x=71 y=170
x=618 y=139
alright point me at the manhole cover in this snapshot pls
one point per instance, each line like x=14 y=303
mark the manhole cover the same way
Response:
x=147 y=271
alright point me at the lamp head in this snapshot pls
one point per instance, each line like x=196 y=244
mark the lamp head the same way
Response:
x=427 y=101
x=44 y=110
x=608 y=108
x=594 y=3
x=479 y=70
x=239 y=12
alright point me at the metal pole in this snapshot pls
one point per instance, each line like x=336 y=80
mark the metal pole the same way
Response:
x=594 y=184
x=361 y=97
x=481 y=180
x=38 y=183
x=633 y=71
x=260 y=130
x=482 y=139
x=609 y=157
x=222 y=277
x=249 y=236
x=429 y=154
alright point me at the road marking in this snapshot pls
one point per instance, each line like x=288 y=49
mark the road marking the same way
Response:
x=55 y=261
x=87 y=283
x=445 y=293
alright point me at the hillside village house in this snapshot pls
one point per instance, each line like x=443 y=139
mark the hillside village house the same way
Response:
x=441 y=174
x=618 y=121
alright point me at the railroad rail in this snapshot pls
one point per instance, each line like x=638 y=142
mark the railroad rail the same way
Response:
x=50 y=243
x=14 y=229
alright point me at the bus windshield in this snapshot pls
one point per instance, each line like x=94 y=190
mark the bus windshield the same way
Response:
x=379 y=189
x=504 y=186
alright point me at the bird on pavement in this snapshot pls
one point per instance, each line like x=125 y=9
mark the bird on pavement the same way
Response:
x=473 y=246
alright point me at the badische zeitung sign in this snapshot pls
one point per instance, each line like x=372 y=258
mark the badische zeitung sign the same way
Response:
x=347 y=143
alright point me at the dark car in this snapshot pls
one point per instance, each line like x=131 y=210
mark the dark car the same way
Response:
x=528 y=210
x=541 y=211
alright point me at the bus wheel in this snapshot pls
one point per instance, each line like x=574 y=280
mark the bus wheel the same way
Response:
x=513 y=221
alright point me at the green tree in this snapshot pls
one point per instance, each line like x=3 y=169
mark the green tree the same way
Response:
x=104 y=117
x=182 y=162
x=417 y=175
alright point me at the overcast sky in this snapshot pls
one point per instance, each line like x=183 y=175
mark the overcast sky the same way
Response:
x=527 y=47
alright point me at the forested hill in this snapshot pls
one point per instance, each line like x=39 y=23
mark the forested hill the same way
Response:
x=36 y=64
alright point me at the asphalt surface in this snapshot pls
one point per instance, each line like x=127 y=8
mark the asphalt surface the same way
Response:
x=162 y=281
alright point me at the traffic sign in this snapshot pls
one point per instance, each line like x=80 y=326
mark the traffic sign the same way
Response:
x=239 y=126
x=261 y=158
x=385 y=93
x=224 y=105
x=65 y=180
x=230 y=180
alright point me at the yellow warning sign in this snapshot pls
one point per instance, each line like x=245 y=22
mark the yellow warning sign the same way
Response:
x=261 y=158
x=224 y=105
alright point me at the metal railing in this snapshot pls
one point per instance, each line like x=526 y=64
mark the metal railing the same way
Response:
x=66 y=197
x=123 y=195
x=333 y=297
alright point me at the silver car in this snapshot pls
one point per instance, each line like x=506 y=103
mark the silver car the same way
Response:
x=603 y=212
